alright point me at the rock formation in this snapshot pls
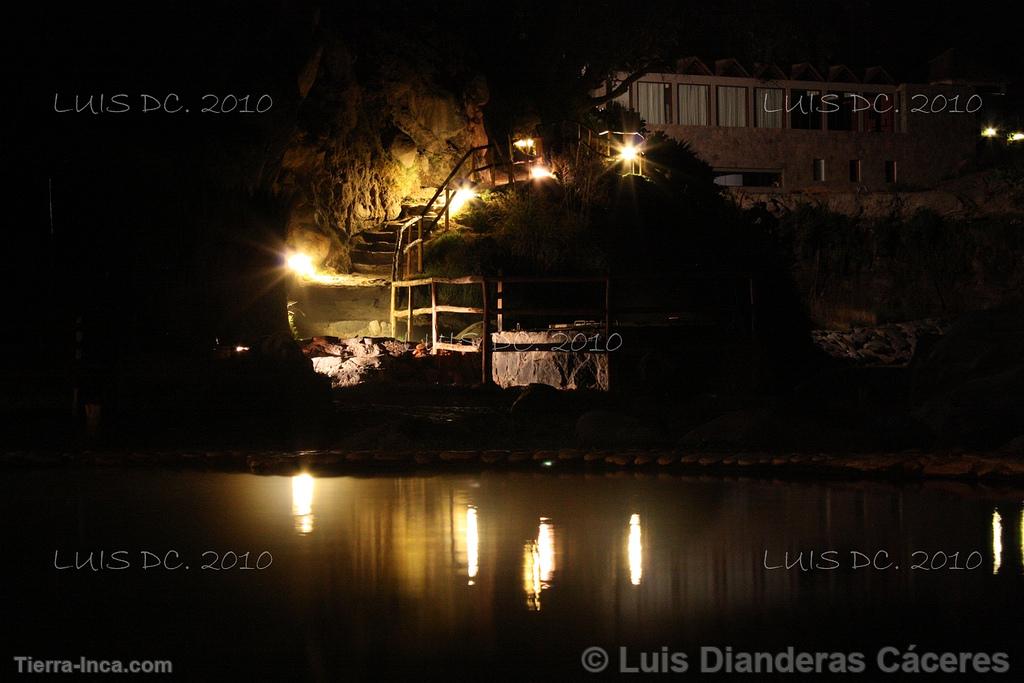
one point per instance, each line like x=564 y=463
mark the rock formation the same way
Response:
x=370 y=131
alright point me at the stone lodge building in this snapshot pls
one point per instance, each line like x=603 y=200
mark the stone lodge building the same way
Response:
x=805 y=131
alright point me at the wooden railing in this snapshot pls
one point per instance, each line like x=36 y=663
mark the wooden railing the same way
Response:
x=408 y=256
x=404 y=246
x=604 y=145
x=497 y=307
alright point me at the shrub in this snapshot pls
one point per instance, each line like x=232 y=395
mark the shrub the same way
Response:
x=523 y=231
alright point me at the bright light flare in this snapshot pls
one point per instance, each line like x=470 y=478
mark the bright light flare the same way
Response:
x=628 y=153
x=989 y=132
x=301 y=264
x=525 y=144
x=635 y=549
x=1015 y=136
x=462 y=196
x=538 y=172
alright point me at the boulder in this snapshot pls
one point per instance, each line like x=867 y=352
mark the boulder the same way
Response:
x=349 y=362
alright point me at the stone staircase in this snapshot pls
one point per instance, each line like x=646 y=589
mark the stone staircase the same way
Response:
x=374 y=250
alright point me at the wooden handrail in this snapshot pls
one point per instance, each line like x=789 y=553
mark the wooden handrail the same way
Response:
x=399 y=243
x=602 y=316
x=403 y=245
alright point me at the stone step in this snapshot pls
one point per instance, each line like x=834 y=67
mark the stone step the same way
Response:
x=410 y=210
x=372 y=268
x=379 y=236
x=363 y=254
x=386 y=235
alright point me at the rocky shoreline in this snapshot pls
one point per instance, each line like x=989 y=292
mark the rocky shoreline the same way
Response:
x=910 y=465
x=893 y=344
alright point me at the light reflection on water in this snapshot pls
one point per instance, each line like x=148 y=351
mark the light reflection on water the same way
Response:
x=544 y=565
x=302 y=503
x=997 y=541
x=412 y=525
x=635 y=549
x=539 y=563
x=472 y=544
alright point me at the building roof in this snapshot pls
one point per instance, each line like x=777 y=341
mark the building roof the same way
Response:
x=878 y=74
x=804 y=72
x=840 y=73
x=731 y=67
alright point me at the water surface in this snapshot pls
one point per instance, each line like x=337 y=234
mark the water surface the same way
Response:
x=458 y=574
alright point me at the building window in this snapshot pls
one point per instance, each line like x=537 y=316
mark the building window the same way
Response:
x=654 y=102
x=890 y=172
x=804 y=108
x=769 y=103
x=879 y=112
x=854 y=170
x=839 y=106
x=732 y=106
x=693 y=105
x=819 y=170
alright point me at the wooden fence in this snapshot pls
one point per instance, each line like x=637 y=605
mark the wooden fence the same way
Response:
x=499 y=309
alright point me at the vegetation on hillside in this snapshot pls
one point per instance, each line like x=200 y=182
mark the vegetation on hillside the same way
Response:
x=854 y=271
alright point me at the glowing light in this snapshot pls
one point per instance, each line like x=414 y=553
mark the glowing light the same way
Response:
x=635 y=549
x=525 y=143
x=997 y=541
x=990 y=132
x=241 y=349
x=1015 y=136
x=538 y=172
x=301 y=264
x=546 y=547
x=628 y=153
x=539 y=564
x=302 y=502
x=459 y=200
x=472 y=544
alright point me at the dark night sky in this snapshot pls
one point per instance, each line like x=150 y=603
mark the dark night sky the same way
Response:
x=130 y=170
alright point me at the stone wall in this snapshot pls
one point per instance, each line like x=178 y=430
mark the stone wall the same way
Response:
x=341 y=311
x=893 y=344
x=559 y=369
